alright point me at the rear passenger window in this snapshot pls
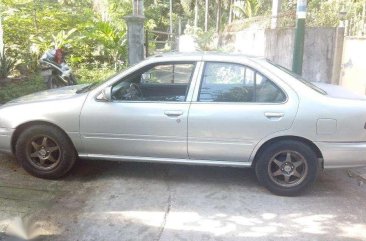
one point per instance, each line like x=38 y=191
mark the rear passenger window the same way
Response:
x=266 y=91
x=228 y=82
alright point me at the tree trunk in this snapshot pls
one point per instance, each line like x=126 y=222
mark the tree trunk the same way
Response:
x=276 y=8
x=206 y=16
x=363 y=18
x=230 y=11
x=196 y=13
x=1 y=36
x=218 y=16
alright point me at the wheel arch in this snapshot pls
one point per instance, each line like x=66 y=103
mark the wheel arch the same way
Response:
x=20 y=128
x=308 y=142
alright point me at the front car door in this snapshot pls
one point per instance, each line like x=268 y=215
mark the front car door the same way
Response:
x=233 y=108
x=147 y=116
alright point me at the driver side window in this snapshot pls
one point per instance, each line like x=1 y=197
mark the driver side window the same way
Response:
x=161 y=82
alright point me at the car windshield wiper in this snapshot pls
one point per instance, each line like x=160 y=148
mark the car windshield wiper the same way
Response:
x=86 y=88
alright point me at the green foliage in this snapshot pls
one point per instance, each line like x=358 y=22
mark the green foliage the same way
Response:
x=323 y=13
x=203 y=39
x=110 y=42
x=250 y=9
x=85 y=75
x=7 y=64
x=35 y=83
x=16 y=89
x=44 y=24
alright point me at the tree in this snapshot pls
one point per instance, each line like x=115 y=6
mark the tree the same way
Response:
x=206 y=16
x=250 y=9
x=1 y=35
x=218 y=16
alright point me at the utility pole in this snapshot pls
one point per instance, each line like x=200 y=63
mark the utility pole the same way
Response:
x=298 y=55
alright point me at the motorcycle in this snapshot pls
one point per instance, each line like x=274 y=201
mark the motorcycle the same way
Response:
x=55 y=70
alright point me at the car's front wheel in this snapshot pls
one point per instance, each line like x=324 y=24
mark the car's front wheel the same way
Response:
x=45 y=151
x=287 y=168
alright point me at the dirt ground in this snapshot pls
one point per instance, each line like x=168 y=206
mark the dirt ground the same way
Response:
x=137 y=201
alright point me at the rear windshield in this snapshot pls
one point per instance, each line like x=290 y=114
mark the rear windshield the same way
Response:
x=299 y=78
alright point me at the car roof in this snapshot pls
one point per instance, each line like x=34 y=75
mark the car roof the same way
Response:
x=205 y=56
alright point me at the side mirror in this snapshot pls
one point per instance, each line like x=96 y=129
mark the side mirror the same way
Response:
x=106 y=94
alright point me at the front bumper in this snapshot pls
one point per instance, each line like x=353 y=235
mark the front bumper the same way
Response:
x=5 y=140
x=343 y=155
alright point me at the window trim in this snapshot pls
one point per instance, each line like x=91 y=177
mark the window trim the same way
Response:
x=201 y=76
x=151 y=65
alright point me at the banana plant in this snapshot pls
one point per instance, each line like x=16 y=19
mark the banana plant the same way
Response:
x=250 y=9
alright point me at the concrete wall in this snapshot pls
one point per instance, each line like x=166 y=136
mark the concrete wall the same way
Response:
x=353 y=71
x=249 y=41
x=322 y=56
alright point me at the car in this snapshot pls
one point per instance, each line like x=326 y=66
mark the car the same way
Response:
x=193 y=108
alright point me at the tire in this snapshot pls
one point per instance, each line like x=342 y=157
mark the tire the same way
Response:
x=287 y=168
x=72 y=80
x=54 y=82
x=54 y=160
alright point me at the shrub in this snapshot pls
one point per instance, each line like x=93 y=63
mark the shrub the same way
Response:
x=6 y=65
x=18 y=88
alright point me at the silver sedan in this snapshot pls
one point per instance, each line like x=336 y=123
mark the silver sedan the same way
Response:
x=201 y=109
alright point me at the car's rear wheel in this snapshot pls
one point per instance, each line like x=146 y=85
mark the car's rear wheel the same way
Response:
x=287 y=168
x=45 y=151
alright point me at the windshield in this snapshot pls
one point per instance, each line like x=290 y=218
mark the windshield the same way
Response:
x=94 y=85
x=299 y=78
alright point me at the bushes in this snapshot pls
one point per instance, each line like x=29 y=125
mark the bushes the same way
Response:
x=17 y=88
x=35 y=83
x=6 y=65
x=84 y=75
x=41 y=25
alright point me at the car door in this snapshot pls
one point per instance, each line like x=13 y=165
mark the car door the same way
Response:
x=147 y=116
x=235 y=106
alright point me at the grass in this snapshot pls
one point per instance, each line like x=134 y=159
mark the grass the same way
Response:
x=35 y=83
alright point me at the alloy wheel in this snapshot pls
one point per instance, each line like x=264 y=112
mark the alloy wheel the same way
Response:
x=43 y=152
x=287 y=168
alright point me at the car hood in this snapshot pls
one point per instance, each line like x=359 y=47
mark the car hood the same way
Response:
x=52 y=94
x=337 y=91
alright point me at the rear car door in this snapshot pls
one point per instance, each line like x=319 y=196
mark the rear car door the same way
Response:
x=234 y=107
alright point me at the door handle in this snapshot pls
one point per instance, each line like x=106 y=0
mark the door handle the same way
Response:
x=274 y=115
x=173 y=113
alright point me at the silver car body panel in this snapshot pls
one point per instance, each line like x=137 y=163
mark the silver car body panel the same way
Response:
x=204 y=133
x=59 y=107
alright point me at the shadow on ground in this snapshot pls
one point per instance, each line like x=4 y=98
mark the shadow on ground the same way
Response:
x=102 y=200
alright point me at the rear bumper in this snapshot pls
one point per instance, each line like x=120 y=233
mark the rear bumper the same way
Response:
x=342 y=155
x=5 y=140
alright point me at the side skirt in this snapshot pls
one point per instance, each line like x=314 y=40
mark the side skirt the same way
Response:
x=165 y=160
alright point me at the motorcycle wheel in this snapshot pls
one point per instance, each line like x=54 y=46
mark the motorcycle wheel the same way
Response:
x=54 y=82
x=72 y=80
